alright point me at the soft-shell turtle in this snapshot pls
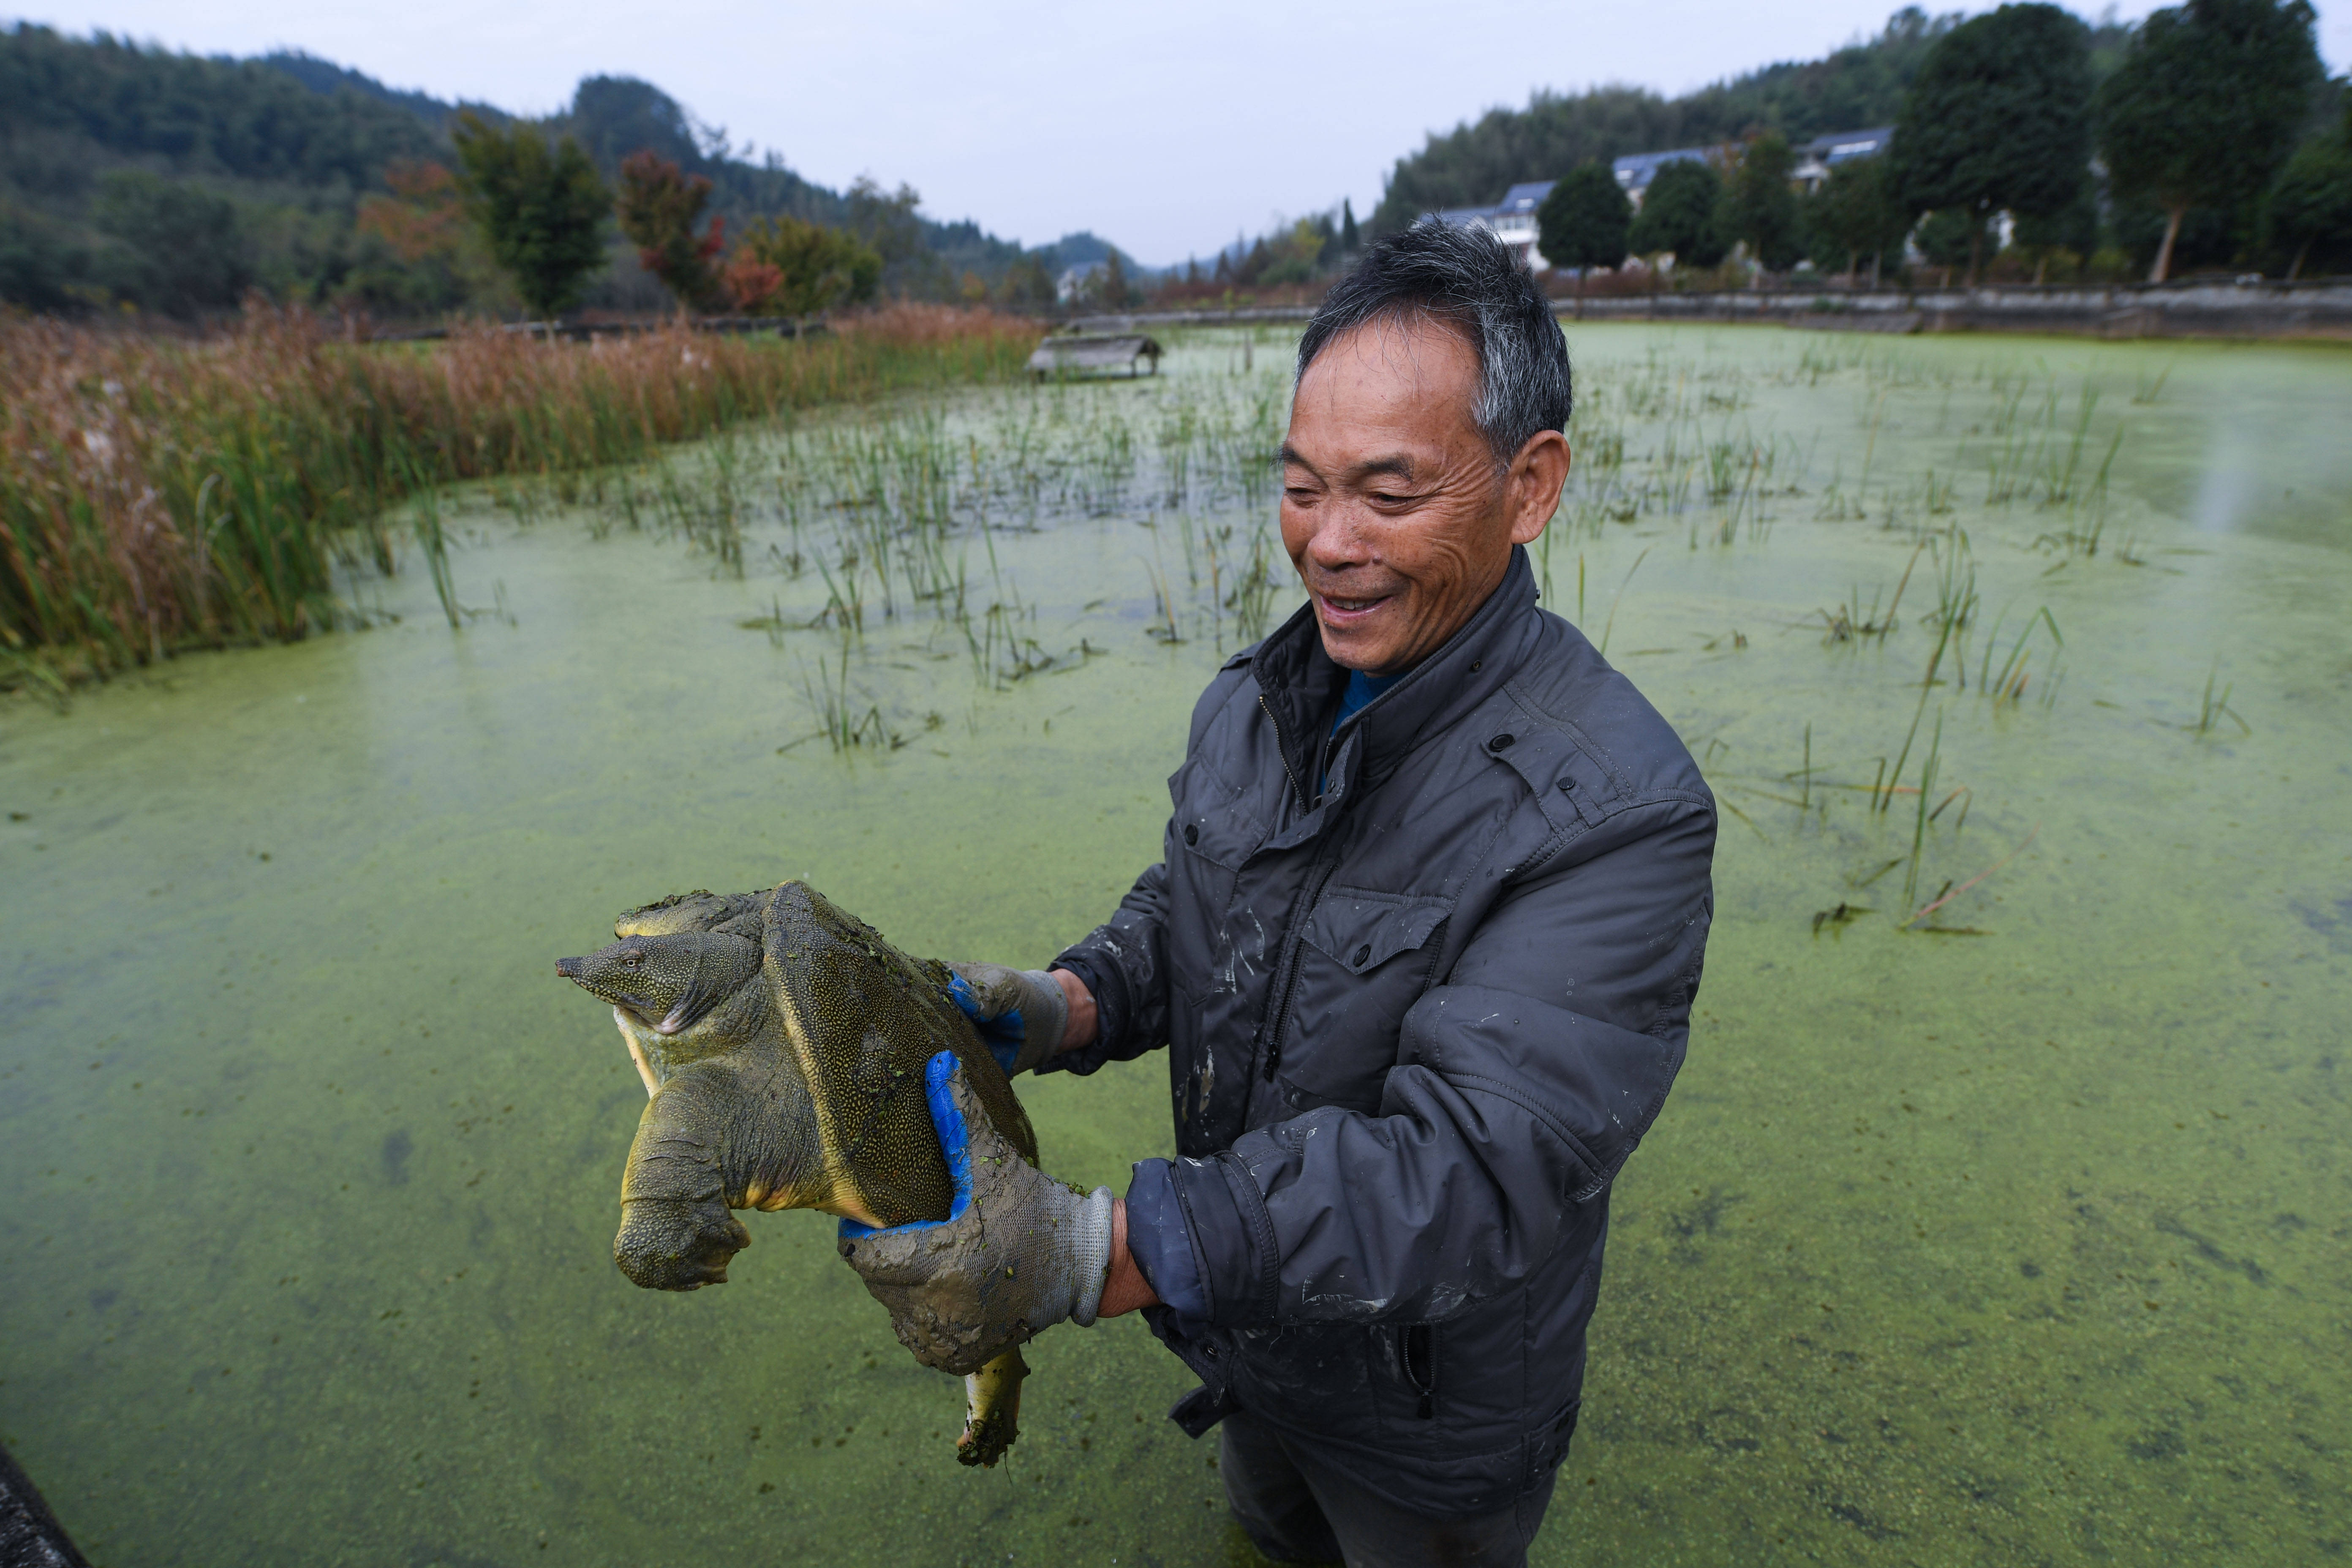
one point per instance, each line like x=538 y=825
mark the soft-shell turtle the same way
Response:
x=783 y=1044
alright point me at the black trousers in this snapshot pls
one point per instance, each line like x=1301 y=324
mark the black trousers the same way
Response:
x=1296 y=1510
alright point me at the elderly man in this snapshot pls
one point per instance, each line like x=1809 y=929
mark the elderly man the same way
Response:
x=1422 y=951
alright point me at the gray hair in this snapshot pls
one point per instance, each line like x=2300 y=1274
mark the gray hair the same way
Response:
x=1467 y=278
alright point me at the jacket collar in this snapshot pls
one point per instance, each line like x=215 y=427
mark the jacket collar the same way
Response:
x=1301 y=687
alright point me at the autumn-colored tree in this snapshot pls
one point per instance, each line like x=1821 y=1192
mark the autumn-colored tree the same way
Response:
x=659 y=205
x=424 y=215
x=789 y=267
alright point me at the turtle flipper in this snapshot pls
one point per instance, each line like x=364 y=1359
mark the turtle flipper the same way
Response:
x=675 y=1231
x=993 y=1414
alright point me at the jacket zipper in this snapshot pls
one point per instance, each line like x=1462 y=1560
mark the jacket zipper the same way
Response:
x=1320 y=875
x=1283 y=751
x=1313 y=889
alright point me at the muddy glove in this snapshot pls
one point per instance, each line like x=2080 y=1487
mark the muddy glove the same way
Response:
x=1020 y=1013
x=1018 y=1252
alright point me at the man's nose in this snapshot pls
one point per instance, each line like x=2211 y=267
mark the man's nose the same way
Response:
x=1339 y=539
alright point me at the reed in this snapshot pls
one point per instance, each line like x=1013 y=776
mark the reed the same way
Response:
x=159 y=495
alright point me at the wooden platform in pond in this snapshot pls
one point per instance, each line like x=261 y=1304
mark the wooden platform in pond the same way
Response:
x=1079 y=353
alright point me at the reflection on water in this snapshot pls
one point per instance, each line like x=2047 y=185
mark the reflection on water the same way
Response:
x=2019 y=1239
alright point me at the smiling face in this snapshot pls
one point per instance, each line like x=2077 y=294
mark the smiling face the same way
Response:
x=1394 y=510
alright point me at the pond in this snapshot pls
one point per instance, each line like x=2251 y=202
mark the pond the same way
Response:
x=1998 y=1215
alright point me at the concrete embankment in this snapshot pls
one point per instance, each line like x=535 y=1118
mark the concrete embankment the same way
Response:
x=2196 y=309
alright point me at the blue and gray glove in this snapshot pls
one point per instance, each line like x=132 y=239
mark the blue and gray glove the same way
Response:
x=1020 y=1012
x=1018 y=1252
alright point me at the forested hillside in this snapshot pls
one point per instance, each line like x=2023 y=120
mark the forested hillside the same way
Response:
x=1855 y=86
x=138 y=177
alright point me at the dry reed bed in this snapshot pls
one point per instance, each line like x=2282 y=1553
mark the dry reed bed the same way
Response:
x=157 y=495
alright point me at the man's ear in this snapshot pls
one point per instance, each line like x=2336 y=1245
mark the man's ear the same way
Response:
x=1536 y=477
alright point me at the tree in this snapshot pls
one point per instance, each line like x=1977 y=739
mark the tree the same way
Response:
x=1584 y=219
x=1854 y=213
x=541 y=207
x=1681 y=213
x=1862 y=84
x=2311 y=206
x=1760 y=204
x=2206 y=105
x=1350 y=241
x=789 y=267
x=185 y=249
x=1950 y=236
x=1114 y=283
x=1997 y=119
x=2075 y=229
x=659 y=205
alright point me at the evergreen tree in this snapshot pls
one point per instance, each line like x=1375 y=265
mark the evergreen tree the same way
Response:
x=1999 y=119
x=2206 y=105
x=1350 y=240
x=183 y=248
x=1584 y=219
x=1853 y=215
x=1681 y=213
x=1760 y=204
x=2310 y=208
x=542 y=206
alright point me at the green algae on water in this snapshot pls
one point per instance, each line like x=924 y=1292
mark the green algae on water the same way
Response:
x=2019 y=1242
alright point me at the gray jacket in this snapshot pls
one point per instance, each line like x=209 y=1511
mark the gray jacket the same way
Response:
x=1415 y=1026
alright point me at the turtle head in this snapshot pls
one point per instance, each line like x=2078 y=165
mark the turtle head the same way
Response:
x=671 y=982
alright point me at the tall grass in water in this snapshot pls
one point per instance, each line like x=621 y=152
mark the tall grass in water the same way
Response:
x=158 y=495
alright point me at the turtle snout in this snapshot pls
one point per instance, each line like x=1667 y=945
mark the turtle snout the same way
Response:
x=569 y=968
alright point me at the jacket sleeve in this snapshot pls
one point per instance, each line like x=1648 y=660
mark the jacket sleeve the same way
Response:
x=1124 y=962
x=1521 y=1085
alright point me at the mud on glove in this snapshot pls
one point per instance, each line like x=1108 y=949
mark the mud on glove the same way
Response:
x=1021 y=1014
x=1018 y=1252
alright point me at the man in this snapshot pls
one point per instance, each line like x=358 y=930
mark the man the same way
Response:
x=1423 y=951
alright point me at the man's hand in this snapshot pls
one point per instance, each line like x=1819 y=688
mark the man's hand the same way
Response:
x=1018 y=1252
x=1021 y=1013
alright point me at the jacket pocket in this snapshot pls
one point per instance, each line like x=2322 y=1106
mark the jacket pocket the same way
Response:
x=1363 y=959
x=1211 y=835
x=1403 y=1374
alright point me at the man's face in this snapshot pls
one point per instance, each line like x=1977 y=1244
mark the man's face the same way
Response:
x=1394 y=508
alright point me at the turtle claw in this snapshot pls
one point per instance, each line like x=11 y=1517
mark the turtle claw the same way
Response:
x=993 y=1417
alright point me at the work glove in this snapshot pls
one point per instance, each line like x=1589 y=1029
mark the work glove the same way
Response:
x=1018 y=1252
x=1020 y=1013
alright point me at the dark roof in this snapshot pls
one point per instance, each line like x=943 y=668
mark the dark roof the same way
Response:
x=1844 y=146
x=1635 y=170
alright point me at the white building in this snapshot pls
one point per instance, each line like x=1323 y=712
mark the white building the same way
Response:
x=1513 y=220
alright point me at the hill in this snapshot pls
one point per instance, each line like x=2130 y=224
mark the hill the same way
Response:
x=175 y=181
x=1858 y=86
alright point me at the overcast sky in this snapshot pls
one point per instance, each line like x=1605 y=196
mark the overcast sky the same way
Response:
x=1166 y=129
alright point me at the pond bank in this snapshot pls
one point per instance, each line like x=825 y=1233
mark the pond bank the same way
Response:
x=2198 y=308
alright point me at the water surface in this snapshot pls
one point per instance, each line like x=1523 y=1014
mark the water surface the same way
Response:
x=2018 y=1239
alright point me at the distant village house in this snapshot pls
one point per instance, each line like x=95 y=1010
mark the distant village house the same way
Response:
x=1513 y=219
